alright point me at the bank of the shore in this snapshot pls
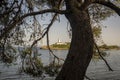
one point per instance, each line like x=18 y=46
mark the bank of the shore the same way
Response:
x=66 y=47
x=45 y=48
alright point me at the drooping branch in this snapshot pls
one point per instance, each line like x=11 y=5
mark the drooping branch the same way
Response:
x=110 y=69
x=18 y=20
x=48 y=27
x=108 y=4
x=48 y=39
x=87 y=77
x=46 y=33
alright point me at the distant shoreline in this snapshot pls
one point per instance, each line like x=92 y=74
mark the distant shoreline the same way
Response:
x=45 y=48
x=57 y=46
x=67 y=46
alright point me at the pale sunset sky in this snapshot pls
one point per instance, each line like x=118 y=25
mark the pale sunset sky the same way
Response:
x=110 y=35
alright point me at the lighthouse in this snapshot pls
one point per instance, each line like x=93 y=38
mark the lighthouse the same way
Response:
x=59 y=42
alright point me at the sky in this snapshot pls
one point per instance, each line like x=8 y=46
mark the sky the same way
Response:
x=58 y=31
x=110 y=34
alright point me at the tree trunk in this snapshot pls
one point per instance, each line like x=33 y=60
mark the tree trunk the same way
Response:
x=81 y=48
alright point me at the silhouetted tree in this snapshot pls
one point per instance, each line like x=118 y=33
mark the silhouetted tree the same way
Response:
x=79 y=13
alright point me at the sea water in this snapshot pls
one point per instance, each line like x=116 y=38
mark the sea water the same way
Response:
x=97 y=69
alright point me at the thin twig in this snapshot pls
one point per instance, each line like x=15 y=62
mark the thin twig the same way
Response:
x=110 y=69
x=47 y=29
x=87 y=77
x=52 y=21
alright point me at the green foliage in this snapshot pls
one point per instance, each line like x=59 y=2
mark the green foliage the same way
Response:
x=34 y=68
x=60 y=46
x=97 y=31
x=97 y=56
x=38 y=63
x=52 y=69
x=99 y=12
x=31 y=64
x=8 y=53
x=27 y=51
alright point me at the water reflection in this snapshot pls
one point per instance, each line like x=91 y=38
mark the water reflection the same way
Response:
x=45 y=56
x=97 y=69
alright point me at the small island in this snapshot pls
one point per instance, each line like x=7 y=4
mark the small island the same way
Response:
x=58 y=46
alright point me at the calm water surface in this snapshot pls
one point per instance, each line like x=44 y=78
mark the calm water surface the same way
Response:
x=97 y=69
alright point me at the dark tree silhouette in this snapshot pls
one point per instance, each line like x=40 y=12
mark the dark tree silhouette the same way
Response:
x=79 y=13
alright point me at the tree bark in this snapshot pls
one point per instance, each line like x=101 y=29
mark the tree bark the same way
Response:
x=81 y=48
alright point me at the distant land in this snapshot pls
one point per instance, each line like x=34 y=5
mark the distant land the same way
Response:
x=66 y=45
x=109 y=47
x=56 y=46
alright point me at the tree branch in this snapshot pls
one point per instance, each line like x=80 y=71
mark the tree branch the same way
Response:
x=108 y=4
x=85 y=4
x=6 y=30
x=46 y=33
x=110 y=69
x=45 y=11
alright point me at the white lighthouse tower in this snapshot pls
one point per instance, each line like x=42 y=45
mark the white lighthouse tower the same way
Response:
x=59 y=42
